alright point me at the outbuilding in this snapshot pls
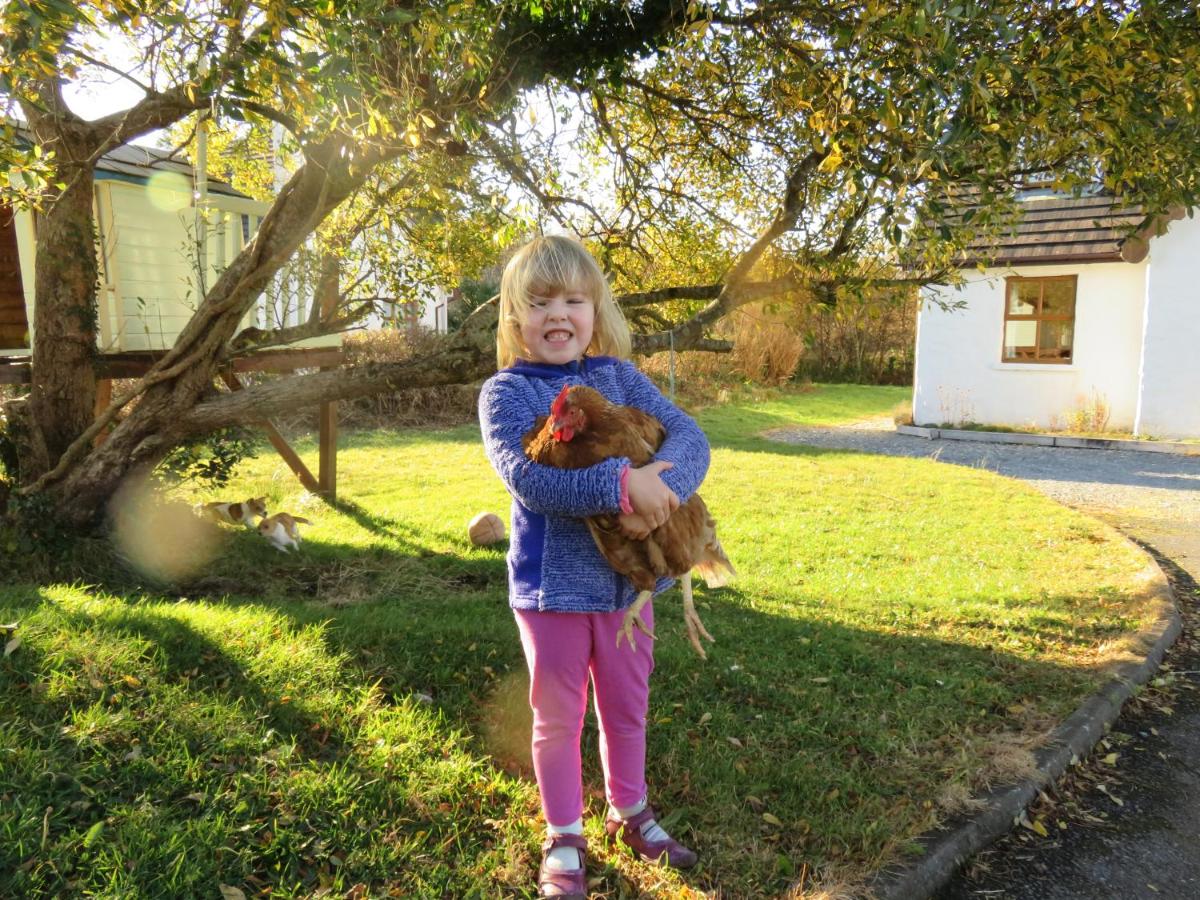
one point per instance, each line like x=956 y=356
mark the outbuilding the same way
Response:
x=159 y=244
x=1086 y=314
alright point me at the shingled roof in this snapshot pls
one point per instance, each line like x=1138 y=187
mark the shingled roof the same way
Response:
x=135 y=162
x=1061 y=228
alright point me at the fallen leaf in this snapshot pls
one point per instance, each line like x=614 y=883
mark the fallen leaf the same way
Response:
x=734 y=741
x=772 y=820
x=231 y=893
x=755 y=804
x=819 y=680
x=12 y=645
x=1111 y=759
x=706 y=718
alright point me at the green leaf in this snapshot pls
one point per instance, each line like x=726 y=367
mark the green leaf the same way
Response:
x=93 y=834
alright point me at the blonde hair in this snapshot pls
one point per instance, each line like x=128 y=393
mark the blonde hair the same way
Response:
x=548 y=265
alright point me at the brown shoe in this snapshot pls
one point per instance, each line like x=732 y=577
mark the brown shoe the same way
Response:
x=565 y=884
x=666 y=853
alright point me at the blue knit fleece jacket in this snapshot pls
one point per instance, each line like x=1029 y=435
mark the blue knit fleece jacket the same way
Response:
x=553 y=563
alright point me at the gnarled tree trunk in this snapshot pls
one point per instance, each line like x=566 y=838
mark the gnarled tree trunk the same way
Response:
x=63 y=397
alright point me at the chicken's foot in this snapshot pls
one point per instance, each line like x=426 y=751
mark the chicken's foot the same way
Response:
x=695 y=628
x=633 y=619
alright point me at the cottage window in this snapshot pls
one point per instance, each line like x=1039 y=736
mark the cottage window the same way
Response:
x=1039 y=319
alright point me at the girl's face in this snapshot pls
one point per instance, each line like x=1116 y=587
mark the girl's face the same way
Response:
x=558 y=329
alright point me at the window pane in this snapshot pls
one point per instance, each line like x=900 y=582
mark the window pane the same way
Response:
x=1023 y=297
x=1059 y=298
x=1056 y=340
x=1020 y=340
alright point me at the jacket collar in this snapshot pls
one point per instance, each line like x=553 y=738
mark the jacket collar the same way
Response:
x=577 y=368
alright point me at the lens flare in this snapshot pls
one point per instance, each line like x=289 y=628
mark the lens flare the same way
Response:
x=162 y=539
x=169 y=191
x=508 y=724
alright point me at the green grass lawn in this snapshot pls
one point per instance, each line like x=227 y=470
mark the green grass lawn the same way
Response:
x=353 y=717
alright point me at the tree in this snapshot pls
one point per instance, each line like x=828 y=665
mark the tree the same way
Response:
x=357 y=85
x=712 y=154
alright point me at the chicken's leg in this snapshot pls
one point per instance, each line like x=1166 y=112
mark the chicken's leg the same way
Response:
x=691 y=618
x=633 y=619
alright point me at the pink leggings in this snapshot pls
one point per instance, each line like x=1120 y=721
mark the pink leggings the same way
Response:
x=562 y=649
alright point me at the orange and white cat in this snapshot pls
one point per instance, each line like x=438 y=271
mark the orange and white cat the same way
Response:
x=236 y=513
x=280 y=529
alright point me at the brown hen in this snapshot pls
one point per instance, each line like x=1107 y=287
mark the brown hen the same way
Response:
x=585 y=428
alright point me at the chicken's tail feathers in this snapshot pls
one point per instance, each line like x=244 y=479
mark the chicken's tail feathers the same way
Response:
x=715 y=568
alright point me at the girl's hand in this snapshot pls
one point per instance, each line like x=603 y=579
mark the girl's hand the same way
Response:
x=634 y=526
x=649 y=495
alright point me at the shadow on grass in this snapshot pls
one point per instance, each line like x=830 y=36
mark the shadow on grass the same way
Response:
x=149 y=759
x=381 y=526
x=843 y=733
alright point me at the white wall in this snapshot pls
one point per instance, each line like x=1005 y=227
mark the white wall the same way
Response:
x=148 y=269
x=1169 y=405
x=148 y=258
x=959 y=376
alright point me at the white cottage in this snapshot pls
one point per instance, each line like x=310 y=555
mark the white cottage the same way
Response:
x=1086 y=310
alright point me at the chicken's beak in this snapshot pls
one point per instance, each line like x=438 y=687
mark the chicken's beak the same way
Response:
x=561 y=430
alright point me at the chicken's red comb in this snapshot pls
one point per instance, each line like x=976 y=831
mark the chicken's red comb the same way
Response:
x=558 y=407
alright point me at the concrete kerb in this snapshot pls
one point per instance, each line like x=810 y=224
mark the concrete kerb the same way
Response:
x=946 y=849
x=1048 y=440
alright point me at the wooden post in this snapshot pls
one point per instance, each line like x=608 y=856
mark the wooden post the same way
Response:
x=295 y=463
x=327 y=418
x=327 y=468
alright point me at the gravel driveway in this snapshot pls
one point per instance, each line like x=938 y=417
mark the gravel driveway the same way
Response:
x=1150 y=845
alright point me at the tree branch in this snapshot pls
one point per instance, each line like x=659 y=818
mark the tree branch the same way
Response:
x=251 y=340
x=746 y=292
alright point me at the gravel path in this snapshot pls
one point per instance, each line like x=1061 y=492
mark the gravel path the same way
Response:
x=1150 y=845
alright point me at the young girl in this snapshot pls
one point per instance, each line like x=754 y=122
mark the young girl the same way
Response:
x=559 y=325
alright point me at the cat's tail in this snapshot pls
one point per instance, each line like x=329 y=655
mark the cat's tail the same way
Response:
x=301 y=520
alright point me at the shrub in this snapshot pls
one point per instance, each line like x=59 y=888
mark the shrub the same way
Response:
x=444 y=405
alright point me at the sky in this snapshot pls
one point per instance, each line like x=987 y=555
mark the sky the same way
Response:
x=104 y=93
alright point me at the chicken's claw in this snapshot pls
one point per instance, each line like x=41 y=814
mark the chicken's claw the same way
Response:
x=633 y=619
x=691 y=618
x=695 y=628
